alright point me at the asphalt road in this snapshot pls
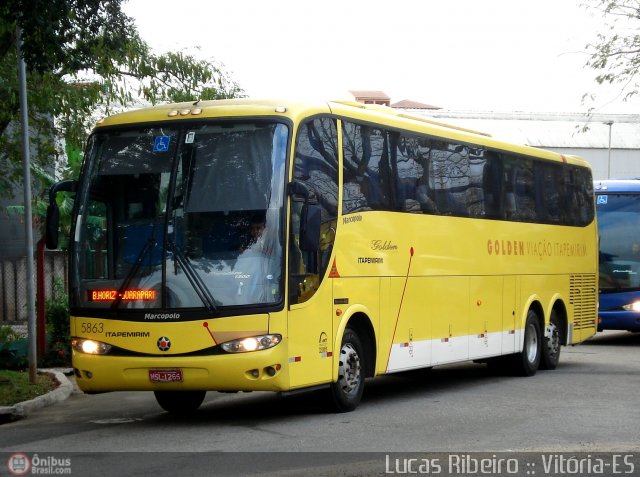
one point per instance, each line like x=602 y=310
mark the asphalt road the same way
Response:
x=588 y=405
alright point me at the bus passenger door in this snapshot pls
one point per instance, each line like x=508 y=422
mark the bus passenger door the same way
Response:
x=313 y=191
x=311 y=338
x=310 y=324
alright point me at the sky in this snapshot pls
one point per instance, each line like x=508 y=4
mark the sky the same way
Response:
x=479 y=55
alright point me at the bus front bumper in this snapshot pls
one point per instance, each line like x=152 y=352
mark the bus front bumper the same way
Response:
x=264 y=370
x=619 y=320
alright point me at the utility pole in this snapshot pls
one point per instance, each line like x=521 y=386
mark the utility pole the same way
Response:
x=28 y=219
x=610 y=124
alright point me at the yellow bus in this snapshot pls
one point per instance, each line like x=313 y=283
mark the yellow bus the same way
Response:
x=244 y=245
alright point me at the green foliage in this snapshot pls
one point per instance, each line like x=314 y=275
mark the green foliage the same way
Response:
x=58 y=312
x=85 y=60
x=65 y=34
x=58 y=352
x=13 y=349
x=615 y=53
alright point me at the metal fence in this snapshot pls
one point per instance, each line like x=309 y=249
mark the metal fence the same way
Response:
x=13 y=284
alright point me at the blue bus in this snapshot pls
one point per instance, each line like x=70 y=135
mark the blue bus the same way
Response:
x=618 y=210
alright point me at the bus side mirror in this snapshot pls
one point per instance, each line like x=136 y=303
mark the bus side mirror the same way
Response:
x=310 y=216
x=53 y=212
x=310 y=222
x=53 y=222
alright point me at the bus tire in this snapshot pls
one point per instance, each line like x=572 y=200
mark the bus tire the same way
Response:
x=347 y=391
x=180 y=403
x=551 y=344
x=526 y=362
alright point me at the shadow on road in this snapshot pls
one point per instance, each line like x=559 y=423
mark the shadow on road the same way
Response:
x=262 y=408
x=257 y=409
x=614 y=338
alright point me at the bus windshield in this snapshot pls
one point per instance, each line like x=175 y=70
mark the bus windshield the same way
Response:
x=181 y=217
x=618 y=225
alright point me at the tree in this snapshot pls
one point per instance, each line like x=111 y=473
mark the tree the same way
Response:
x=84 y=60
x=615 y=54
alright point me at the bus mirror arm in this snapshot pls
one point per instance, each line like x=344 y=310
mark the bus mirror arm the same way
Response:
x=299 y=190
x=53 y=212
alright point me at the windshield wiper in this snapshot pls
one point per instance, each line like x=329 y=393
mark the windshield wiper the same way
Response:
x=150 y=243
x=194 y=279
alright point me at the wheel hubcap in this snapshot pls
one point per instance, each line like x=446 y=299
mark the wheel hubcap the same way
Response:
x=349 y=369
x=553 y=342
x=531 y=343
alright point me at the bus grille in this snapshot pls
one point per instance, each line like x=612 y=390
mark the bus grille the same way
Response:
x=584 y=298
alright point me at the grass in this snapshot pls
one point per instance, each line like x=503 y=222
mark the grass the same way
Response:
x=15 y=386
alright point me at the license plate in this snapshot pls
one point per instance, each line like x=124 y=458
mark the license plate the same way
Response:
x=165 y=375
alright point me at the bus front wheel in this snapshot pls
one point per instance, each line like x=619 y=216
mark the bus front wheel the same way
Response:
x=551 y=344
x=180 y=402
x=526 y=362
x=346 y=392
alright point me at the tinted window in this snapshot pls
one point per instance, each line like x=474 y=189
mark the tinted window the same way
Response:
x=407 y=172
x=315 y=165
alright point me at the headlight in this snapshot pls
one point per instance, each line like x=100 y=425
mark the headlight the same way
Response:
x=635 y=306
x=90 y=346
x=252 y=343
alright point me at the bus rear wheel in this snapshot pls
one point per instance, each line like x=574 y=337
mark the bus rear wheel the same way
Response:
x=347 y=391
x=526 y=362
x=180 y=403
x=551 y=344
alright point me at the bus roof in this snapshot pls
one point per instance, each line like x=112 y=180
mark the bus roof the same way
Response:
x=297 y=110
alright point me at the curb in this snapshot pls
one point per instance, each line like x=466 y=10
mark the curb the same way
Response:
x=21 y=409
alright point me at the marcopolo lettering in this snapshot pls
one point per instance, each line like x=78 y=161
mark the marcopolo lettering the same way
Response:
x=162 y=316
x=354 y=218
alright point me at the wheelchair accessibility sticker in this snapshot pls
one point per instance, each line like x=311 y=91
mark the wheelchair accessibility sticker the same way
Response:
x=161 y=143
x=602 y=199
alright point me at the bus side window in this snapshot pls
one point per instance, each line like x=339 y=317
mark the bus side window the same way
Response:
x=520 y=191
x=369 y=168
x=492 y=175
x=550 y=180
x=316 y=166
x=408 y=174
